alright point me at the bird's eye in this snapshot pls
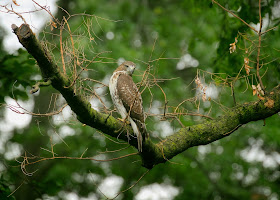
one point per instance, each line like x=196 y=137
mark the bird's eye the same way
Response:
x=126 y=66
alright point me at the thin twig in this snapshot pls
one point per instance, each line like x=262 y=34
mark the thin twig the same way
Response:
x=232 y=92
x=61 y=48
x=44 y=8
x=235 y=16
x=15 y=189
x=227 y=133
x=74 y=55
x=132 y=184
x=25 y=161
x=259 y=48
x=269 y=29
x=12 y=10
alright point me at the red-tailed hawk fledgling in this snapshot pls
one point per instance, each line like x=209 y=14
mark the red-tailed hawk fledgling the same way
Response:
x=128 y=100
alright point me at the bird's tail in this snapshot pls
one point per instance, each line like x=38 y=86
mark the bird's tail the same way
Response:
x=139 y=130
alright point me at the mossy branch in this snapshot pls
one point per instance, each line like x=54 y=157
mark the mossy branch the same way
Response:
x=173 y=145
x=51 y=73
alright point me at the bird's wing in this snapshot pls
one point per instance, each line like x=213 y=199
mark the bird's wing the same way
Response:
x=130 y=97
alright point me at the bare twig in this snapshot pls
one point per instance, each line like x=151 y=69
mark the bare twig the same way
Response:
x=269 y=29
x=26 y=162
x=12 y=10
x=44 y=8
x=18 y=107
x=92 y=61
x=61 y=47
x=132 y=184
x=235 y=16
x=229 y=132
x=73 y=51
x=15 y=189
x=259 y=48
x=174 y=115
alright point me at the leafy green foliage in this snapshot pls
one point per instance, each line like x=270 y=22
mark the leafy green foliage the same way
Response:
x=15 y=75
x=5 y=191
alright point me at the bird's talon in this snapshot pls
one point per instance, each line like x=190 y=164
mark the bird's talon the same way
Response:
x=124 y=121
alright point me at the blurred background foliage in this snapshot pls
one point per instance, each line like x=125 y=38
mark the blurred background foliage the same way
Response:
x=195 y=36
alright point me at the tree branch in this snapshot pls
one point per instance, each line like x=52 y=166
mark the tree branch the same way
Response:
x=79 y=105
x=152 y=154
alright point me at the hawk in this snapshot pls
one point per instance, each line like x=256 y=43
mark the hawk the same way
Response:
x=127 y=99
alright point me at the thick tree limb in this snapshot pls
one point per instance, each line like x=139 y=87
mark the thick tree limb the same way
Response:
x=50 y=71
x=152 y=154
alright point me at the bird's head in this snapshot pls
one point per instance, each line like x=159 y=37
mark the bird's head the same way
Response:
x=128 y=67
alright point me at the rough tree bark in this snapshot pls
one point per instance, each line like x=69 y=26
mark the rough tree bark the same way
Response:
x=152 y=154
